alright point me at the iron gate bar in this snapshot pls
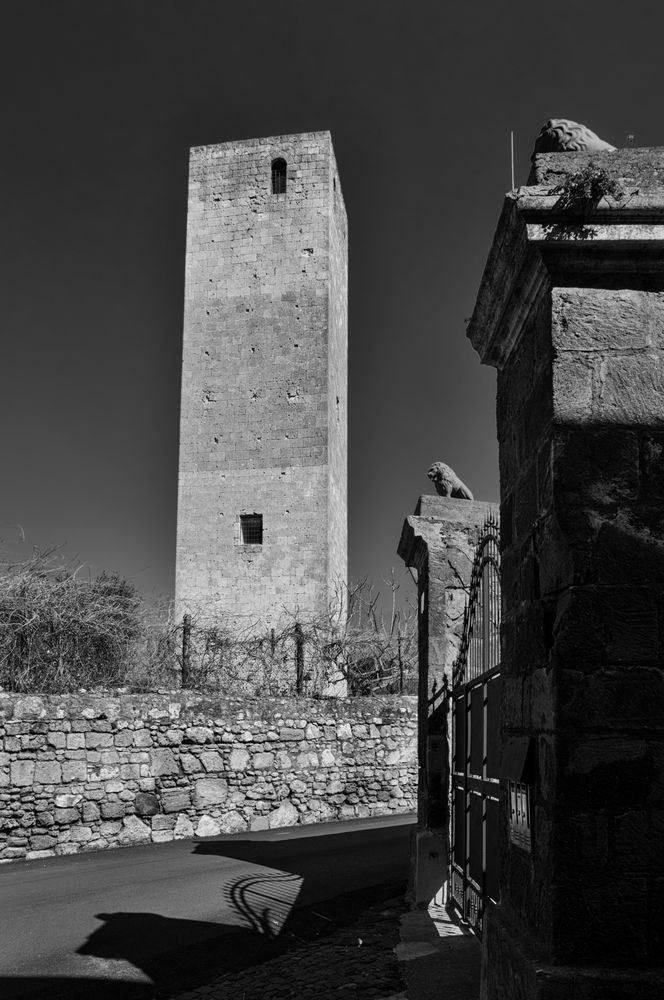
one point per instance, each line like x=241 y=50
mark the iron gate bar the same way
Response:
x=475 y=705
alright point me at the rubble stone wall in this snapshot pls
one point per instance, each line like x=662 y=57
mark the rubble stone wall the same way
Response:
x=84 y=772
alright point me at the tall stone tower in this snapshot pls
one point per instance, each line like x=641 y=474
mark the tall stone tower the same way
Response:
x=262 y=500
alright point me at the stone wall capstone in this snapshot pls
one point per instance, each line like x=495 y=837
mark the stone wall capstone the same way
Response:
x=87 y=772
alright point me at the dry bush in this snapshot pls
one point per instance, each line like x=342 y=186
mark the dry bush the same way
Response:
x=61 y=631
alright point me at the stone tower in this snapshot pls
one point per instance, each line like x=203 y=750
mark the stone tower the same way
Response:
x=262 y=499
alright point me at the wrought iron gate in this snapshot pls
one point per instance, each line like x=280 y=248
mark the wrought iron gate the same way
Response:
x=475 y=699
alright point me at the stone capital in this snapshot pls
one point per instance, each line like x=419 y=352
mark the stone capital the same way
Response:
x=426 y=530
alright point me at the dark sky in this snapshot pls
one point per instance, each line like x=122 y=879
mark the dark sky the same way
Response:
x=102 y=101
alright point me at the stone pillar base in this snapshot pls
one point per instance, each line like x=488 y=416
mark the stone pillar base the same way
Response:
x=514 y=975
x=428 y=869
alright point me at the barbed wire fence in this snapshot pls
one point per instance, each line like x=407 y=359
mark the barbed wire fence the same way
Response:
x=64 y=630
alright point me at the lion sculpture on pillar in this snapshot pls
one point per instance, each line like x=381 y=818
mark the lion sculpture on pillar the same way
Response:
x=560 y=135
x=447 y=482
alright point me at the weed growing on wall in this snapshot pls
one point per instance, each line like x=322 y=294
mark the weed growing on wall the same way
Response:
x=578 y=196
x=584 y=189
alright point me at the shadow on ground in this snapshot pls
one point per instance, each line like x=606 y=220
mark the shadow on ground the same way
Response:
x=178 y=955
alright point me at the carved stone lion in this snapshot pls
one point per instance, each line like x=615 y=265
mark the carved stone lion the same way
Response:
x=560 y=135
x=447 y=482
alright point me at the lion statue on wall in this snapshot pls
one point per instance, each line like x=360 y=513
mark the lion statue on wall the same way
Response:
x=447 y=482
x=560 y=135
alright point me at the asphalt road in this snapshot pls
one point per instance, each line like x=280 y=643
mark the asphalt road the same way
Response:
x=139 y=922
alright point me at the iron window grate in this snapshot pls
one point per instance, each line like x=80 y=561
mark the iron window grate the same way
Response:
x=251 y=529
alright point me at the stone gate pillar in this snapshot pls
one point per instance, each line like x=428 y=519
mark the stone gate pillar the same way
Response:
x=571 y=313
x=438 y=541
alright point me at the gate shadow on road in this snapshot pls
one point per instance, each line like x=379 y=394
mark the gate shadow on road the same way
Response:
x=179 y=955
x=319 y=869
x=348 y=858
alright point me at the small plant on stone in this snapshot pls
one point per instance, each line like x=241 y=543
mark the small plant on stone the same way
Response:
x=583 y=190
x=579 y=194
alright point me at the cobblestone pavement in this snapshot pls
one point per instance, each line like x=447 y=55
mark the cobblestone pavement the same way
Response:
x=342 y=949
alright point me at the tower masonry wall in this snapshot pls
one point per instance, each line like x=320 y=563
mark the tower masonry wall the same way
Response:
x=264 y=408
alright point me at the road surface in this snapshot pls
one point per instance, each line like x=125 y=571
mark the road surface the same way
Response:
x=138 y=922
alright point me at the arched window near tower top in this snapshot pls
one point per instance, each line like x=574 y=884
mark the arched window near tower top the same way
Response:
x=279 y=176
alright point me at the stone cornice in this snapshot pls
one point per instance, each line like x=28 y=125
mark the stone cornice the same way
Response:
x=536 y=245
x=422 y=530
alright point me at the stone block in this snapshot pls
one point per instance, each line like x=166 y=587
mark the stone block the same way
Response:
x=91 y=812
x=68 y=800
x=259 y=823
x=233 y=822
x=22 y=772
x=143 y=738
x=81 y=834
x=210 y=791
x=42 y=842
x=112 y=810
x=134 y=831
x=175 y=799
x=212 y=761
x=262 y=761
x=163 y=822
x=63 y=816
x=208 y=827
x=287 y=734
x=147 y=804
x=199 y=734
x=95 y=741
x=162 y=836
x=130 y=772
x=57 y=740
x=30 y=707
x=163 y=762
x=190 y=763
x=108 y=771
x=239 y=760
x=74 y=770
x=110 y=828
x=285 y=815
x=183 y=828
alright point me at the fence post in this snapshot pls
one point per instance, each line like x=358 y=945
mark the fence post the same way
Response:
x=299 y=659
x=186 y=650
x=400 y=661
